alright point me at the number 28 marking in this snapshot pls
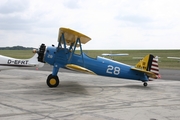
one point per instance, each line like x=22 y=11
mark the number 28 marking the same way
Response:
x=113 y=70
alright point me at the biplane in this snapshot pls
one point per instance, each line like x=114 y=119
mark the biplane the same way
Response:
x=64 y=56
x=14 y=63
x=120 y=54
x=176 y=58
x=113 y=55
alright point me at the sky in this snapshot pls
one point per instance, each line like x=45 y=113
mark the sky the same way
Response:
x=111 y=24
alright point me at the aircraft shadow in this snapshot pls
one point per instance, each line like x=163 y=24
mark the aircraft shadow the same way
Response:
x=141 y=87
x=72 y=87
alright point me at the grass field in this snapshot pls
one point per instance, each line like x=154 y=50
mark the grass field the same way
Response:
x=164 y=62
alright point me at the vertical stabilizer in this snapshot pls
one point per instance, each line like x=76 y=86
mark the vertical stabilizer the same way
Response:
x=149 y=63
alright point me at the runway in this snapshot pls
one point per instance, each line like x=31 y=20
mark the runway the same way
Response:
x=25 y=95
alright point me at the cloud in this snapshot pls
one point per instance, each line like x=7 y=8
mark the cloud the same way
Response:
x=72 y=4
x=13 y=6
x=115 y=24
x=135 y=19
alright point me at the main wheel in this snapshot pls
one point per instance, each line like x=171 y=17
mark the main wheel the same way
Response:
x=145 y=84
x=52 y=81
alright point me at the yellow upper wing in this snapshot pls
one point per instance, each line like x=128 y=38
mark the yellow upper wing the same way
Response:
x=72 y=35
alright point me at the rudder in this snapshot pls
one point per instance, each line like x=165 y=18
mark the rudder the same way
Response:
x=149 y=63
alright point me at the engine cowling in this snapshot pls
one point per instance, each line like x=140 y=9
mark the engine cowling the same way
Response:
x=41 y=52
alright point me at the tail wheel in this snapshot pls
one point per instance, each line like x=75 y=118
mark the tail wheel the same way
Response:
x=52 y=81
x=145 y=84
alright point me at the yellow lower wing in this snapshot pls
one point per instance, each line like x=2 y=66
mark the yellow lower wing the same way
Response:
x=79 y=68
x=148 y=73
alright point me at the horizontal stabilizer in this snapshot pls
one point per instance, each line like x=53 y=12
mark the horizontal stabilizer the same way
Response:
x=148 y=73
x=79 y=68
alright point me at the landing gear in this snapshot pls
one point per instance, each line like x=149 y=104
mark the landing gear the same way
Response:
x=52 y=81
x=145 y=84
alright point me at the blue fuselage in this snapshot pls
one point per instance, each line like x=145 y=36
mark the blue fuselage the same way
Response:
x=100 y=66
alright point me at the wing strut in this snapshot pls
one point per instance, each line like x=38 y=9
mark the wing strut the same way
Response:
x=73 y=39
x=62 y=40
x=77 y=44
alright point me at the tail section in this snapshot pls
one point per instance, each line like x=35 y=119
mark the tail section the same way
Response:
x=34 y=61
x=154 y=67
x=12 y=63
x=149 y=63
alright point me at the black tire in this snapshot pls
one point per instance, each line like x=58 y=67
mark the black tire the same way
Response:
x=145 y=84
x=52 y=81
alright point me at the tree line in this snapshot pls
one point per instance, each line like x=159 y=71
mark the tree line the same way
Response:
x=16 y=48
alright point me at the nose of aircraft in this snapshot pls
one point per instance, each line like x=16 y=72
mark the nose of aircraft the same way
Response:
x=35 y=50
x=40 y=52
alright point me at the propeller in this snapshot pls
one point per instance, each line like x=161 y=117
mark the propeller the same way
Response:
x=40 y=52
